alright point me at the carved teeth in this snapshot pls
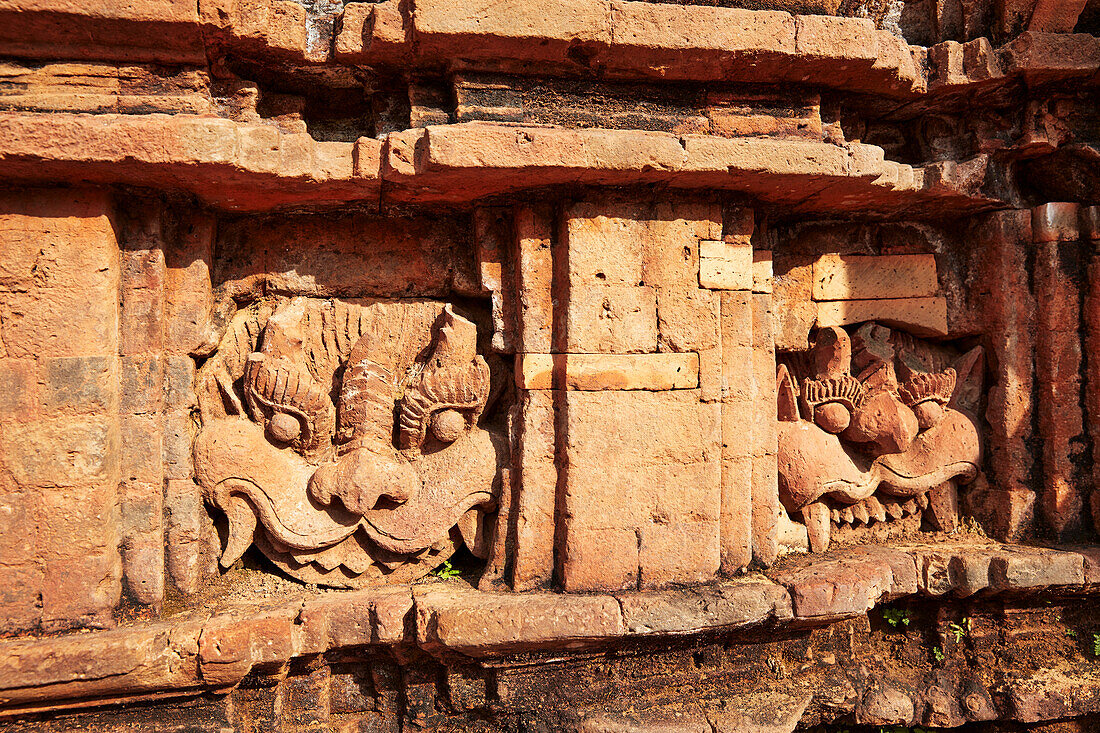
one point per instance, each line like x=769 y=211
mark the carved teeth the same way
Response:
x=846 y=515
x=835 y=516
x=909 y=507
x=922 y=501
x=875 y=509
x=818 y=527
x=859 y=513
x=895 y=510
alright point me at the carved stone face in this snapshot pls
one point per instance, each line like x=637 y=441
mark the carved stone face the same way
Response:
x=355 y=450
x=851 y=448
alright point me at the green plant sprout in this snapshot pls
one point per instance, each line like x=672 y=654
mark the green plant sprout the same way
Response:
x=960 y=630
x=1071 y=633
x=937 y=653
x=446 y=570
x=897 y=616
x=1096 y=645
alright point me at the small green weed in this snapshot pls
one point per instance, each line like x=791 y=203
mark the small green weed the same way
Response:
x=897 y=616
x=1071 y=633
x=937 y=653
x=1096 y=645
x=446 y=570
x=960 y=630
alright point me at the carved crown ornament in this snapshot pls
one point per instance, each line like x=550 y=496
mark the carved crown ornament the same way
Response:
x=342 y=439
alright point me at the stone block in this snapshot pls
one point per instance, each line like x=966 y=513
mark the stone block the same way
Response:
x=761 y=271
x=687 y=319
x=81 y=591
x=78 y=383
x=61 y=451
x=179 y=382
x=599 y=559
x=18 y=389
x=61 y=322
x=920 y=316
x=141 y=448
x=142 y=321
x=481 y=624
x=76 y=521
x=727 y=605
x=725 y=266
x=141 y=384
x=608 y=371
x=857 y=277
x=605 y=243
x=616 y=319
x=836 y=588
x=534 y=270
x=678 y=552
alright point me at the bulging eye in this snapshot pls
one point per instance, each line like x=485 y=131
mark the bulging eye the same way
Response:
x=832 y=417
x=284 y=427
x=448 y=425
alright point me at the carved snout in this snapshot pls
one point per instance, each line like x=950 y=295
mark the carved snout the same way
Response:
x=362 y=479
x=885 y=422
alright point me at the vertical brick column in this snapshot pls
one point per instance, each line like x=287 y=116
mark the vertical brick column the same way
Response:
x=1010 y=317
x=141 y=346
x=1057 y=278
x=636 y=379
x=59 y=402
x=191 y=538
x=740 y=413
x=534 y=468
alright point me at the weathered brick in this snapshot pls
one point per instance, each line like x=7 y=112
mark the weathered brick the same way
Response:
x=142 y=387
x=18 y=389
x=856 y=277
x=78 y=383
x=609 y=371
x=176 y=441
x=920 y=316
x=74 y=521
x=20 y=597
x=81 y=591
x=143 y=321
x=61 y=322
x=687 y=319
x=678 y=552
x=61 y=451
x=477 y=623
x=536 y=476
x=611 y=319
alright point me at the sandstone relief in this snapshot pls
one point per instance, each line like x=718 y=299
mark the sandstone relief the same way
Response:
x=343 y=438
x=874 y=427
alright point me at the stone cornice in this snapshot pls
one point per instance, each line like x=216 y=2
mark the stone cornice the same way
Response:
x=204 y=651
x=255 y=167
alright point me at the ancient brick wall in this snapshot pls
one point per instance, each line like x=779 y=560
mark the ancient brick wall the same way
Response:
x=584 y=365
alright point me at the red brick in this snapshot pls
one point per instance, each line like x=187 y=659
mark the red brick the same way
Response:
x=81 y=591
x=62 y=451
